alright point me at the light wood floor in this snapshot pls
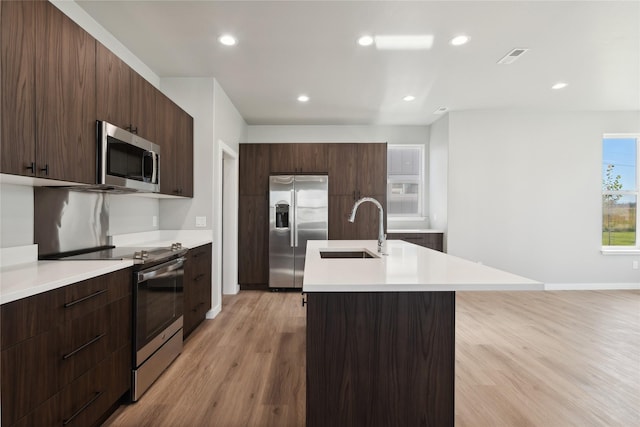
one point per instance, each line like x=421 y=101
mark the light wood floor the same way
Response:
x=564 y=358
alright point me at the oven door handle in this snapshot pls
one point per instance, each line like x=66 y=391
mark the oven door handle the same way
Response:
x=160 y=269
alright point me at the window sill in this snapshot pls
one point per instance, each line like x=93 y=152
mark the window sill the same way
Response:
x=620 y=251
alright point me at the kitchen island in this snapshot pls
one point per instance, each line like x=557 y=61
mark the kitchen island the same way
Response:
x=381 y=331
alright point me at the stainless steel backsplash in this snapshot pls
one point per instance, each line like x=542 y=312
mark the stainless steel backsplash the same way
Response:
x=67 y=220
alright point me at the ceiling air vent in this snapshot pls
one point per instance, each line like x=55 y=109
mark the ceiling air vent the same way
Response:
x=510 y=57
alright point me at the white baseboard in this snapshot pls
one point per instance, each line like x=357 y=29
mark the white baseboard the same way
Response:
x=211 y=314
x=589 y=286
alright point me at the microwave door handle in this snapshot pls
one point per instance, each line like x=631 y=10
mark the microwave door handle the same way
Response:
x=156 y=164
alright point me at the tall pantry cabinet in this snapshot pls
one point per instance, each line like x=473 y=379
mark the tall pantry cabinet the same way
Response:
x=354 y=170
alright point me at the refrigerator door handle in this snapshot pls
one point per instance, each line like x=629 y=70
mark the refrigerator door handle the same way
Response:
x=292 y=219
x=295 y=209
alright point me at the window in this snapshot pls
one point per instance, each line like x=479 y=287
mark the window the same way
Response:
x=620 y=188
x=405 y=186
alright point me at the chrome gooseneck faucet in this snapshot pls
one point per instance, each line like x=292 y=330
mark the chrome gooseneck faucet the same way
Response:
x=381 y=236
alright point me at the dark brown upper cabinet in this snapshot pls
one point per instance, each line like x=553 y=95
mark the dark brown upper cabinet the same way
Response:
x=298 y=158
x=124 y=98
x=51 y=135
x=143 y=108
x=65 y=101
x=254 y=169
x=175 y=137
x=17 y=79
x=357 y=170
x=113 y=88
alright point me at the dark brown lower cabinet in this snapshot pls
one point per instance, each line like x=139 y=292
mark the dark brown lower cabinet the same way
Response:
x=74 y=369
x=197 y=287
x=380 y=359
x=428 y=240
x=253 y=242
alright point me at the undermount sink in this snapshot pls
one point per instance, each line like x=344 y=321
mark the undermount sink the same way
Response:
x=347 y=253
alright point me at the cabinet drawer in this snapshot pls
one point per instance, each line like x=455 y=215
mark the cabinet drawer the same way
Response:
x=428 y=240
x=36 y=369
x=28 y=317
x=81 y=403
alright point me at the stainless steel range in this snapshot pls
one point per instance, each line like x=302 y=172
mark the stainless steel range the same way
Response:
x=73 y=227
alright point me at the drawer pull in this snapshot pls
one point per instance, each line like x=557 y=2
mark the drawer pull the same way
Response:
x=85 y=406
x=79 y=300
x=83 y=346
x=198 y=277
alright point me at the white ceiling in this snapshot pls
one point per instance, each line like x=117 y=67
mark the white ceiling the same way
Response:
x=290 y=47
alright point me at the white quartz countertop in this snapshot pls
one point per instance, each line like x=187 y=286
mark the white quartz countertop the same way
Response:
x=30 y=278
x=25 y=280
x=413 y=230
x=406 y=268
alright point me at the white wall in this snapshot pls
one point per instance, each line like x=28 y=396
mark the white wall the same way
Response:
x=123 y=219
x=230 y=130
x=216 y=121
x=438 y=173
x=389 y=134
x=16 y=215
x=524 y=193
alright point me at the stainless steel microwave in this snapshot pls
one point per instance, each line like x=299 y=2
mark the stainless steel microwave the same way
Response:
x=127 y=161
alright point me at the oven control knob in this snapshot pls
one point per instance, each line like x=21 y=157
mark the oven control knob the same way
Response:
x=144 y=254
x=137 y=255
x=176 y=246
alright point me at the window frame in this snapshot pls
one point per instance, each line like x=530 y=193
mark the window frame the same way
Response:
x=420 y=215
x=630 y=249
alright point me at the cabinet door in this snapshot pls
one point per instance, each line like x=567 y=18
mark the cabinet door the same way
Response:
x=17 y=85
x=113 y=88
x=254 y=169
x=343 y=169
x=253 y=255
x=311 y=158
x=168 y=124
x=65 y=104
x=372 y=169
x=283 y=158
x=184 y=154
x=143 y=108
x=339 y=209
x=365 y=226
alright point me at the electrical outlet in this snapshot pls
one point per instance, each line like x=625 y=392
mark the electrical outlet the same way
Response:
x=201 y=221
x=154 y=220
x=634 y=265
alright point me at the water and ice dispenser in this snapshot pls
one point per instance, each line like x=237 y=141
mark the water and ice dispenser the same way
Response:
x=282 y=215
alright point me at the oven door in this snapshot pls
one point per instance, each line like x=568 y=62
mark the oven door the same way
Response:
x=158 y=306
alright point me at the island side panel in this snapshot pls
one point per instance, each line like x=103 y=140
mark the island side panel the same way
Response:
x=380 y=359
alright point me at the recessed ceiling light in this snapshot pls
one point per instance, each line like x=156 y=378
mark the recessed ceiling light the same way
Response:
x=227 y=40
x=409 y=98
x=459 y=40
x=303 y=98
x=559 y=85
x=365 y=41
x=441 y=110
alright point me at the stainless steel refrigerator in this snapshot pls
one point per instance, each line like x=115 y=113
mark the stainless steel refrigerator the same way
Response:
x=298 y=211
